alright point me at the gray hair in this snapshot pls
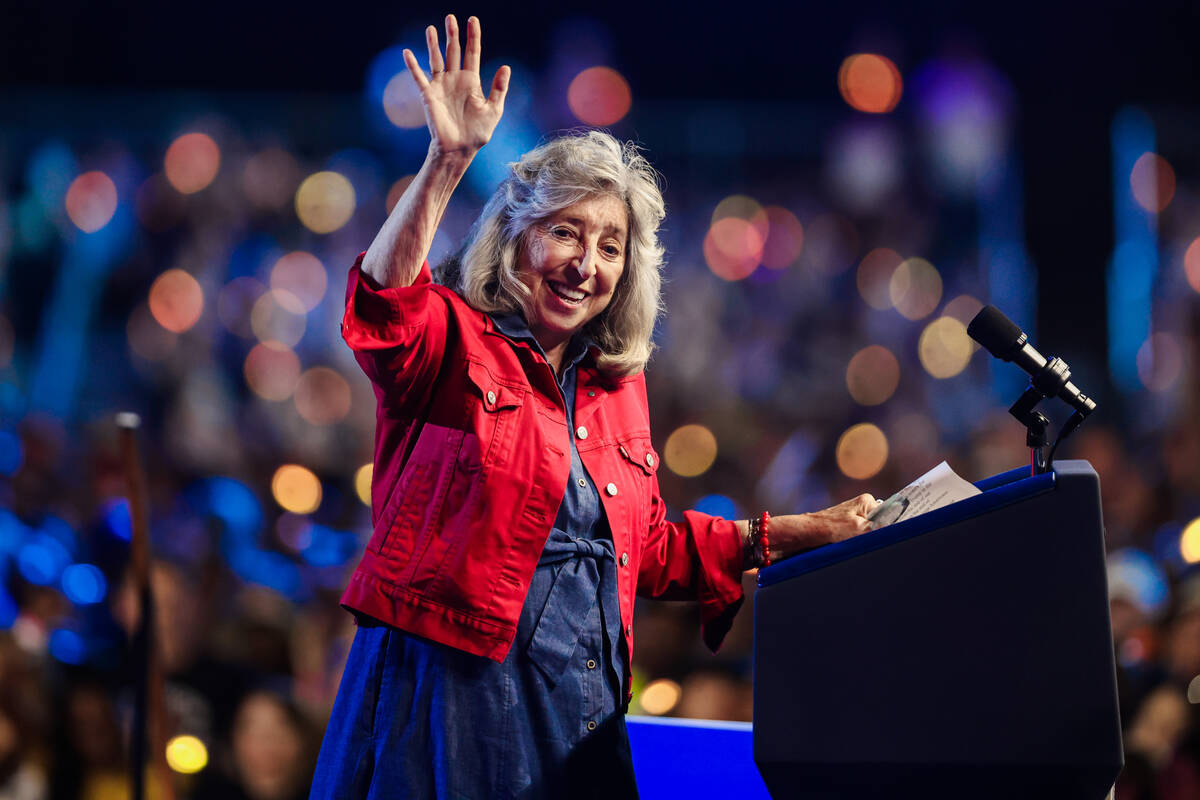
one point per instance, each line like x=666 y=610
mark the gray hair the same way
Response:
x=546 y=180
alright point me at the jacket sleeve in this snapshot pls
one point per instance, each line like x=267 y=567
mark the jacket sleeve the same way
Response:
x=398 y=335
x=699 y=559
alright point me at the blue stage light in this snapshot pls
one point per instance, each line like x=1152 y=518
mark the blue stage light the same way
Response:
x=42 y=560
x=718 y=505
x=117 y=518
x=67 y=646
x=12 y=454
x=60 y=531
x=328 y=547
x=84 y=584
x=8 y=610
x=235 y=504
x=13 y=532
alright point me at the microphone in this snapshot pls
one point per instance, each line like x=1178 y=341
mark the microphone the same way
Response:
x=1051 y=377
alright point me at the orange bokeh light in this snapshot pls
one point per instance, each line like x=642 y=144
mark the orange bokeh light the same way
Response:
x=872 y=375
x=397 y=191
x=1191 y=264
x=1153 y=182
x=733 y=248
x=870 y=82
x=272 y=371
x=91 y=201
x=176 y=300
x=192 y=162
x=785 y=238
x=303 y=276
x=599 y=96
x=875 y=275
x=322 y=396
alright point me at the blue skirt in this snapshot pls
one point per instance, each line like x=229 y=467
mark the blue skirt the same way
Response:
x=417 y=719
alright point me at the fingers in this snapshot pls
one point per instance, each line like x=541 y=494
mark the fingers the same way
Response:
x=471 y=55
x=500 y=88
x=414 y=69
x=436 y=64
x=865 y=504
x=453 y=54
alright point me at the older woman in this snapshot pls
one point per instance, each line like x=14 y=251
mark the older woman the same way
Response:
x=515 y=499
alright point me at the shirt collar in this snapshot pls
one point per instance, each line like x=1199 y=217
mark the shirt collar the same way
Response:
x=513 y=325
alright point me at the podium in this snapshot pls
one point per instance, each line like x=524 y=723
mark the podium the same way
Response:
x=963 y=653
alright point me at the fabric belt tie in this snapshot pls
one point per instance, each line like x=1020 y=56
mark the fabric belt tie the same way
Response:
x=577 y=571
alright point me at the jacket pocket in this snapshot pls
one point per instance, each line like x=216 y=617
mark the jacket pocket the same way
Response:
x=493 y=409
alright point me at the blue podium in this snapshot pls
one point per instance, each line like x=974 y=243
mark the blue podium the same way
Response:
x=966 y=652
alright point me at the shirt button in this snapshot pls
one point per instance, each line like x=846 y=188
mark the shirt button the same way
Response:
x=581 y=432
x=583 y=483
x=649 y=459
x=591 y=726
x=611 y=489
x=624 y=559
x=591 y=663
x=491 y=398
x=629 y=630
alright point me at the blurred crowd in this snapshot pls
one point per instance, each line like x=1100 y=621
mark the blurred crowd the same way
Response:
x=798 y=366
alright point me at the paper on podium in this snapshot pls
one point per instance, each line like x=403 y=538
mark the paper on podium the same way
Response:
x=939 y=487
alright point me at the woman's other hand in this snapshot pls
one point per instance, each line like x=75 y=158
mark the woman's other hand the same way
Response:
x=791 y=533
x=460 y=119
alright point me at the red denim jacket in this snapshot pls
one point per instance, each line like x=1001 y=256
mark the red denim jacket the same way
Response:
x=471 y=464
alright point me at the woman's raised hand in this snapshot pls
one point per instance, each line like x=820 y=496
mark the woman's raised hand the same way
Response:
x=460 y=118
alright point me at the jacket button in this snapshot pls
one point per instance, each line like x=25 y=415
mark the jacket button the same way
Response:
x=583 y=483
x=624 y=559
x=611 y=490
x=581 y=432
x=649 y=459
x=591 y=663
x=491 y=398
x=591 y=725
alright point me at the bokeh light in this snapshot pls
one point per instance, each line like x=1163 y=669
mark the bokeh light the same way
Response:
x=1189 y=542
x=270 y=177
x=660 y=696
x=690 y=450
x=67 y=646
x=1153 y=182
x=322 y=396
x=235 y=302
x=277 y=316
x=91 y=201
x=944 y=347
x=733 y=248
x=599 y=96
x=872 y=375
x=870 y=82
x=785 y=238
x=915 y=288
x=746 y=208
x=963 y=308
x=1191 y=264
x=861 y=451
x=272 y=371
x=303 y=275
x=1160 y=362
x=397 y=191
x=176 y=300
x=192 y=162
x=402 y=101
x=325 y=201
x=875 y=275
x=296 y=489
x=362 y=483
x=186 y=754
x=12 y=456
x=84 y=584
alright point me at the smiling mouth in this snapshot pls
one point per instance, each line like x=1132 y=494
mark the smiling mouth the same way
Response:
x=566 y=293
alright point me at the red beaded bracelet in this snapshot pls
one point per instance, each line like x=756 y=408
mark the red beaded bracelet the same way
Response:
x=764 y=523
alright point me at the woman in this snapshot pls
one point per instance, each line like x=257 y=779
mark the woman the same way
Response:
x=515 y=498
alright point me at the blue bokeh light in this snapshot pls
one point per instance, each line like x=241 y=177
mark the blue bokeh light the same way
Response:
x=67 y=646
x=84 y=584
x=266 y=568
x=13 y=532
x=1135 y=574
x=232 y=502
x=8 y=609
x=42 y=560
x=117 y=518
x=718 y=505
x=328 y=547
x=12 y=454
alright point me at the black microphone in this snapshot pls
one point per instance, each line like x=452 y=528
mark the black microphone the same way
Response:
x=1003 y=339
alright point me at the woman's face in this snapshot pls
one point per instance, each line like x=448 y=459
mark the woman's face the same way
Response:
x=571 y=263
